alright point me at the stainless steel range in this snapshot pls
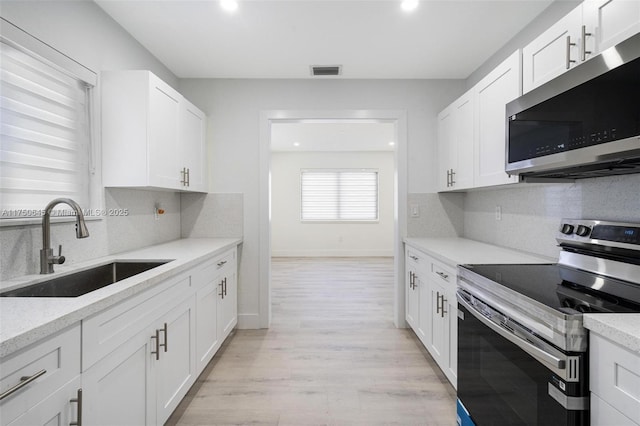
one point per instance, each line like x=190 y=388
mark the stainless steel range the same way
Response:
x=522 y=348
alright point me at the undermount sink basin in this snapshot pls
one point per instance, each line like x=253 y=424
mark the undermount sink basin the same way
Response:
x=79 y=283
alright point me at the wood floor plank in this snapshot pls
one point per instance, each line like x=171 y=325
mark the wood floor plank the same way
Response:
x=332 y=356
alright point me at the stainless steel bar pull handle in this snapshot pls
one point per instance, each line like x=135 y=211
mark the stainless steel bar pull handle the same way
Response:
x=220 y=264
x=78 y=400
x=157 y=340
x=437 y=302
x=164 y=330
x=24 y=381
x=453 y=182
x=568 y=53
x=442 y=275
x=443 y=301
x=188 y=177
x=585 y=34
x=221 y=289
x=225 y=286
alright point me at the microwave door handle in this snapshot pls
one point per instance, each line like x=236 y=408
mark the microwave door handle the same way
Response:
x=523 y=344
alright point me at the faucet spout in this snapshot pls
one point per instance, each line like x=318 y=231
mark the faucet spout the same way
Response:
x=47 y=259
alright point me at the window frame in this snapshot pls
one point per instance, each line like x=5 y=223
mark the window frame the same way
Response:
x=341 y=220
x=34 y=47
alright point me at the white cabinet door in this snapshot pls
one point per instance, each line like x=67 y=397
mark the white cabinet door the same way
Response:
x=120 y=389
x=207 y=342
x=192 y=143
x=446 y=148
x=228 y=304
x=613 y=21
x=451 y=317
x=424 y=313
x=437 y=342
x=455 y=144
x=60 y=408
x=412 y=295
x=176 y=368
x=164 y=150
x=553 y=52
x=463 y=115
x=493 y=92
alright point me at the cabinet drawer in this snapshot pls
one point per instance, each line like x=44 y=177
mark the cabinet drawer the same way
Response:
x=415 y=256
x=442 y=273
x=615 y=375
x=225 y=261
x=58 y=356
x=105 y=331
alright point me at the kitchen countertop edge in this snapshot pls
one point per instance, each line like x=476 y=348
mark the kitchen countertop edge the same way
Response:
x=623 y=329
x=28 y=320
x=460 y=251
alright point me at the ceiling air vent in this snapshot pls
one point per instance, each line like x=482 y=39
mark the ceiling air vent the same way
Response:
x=324 y=70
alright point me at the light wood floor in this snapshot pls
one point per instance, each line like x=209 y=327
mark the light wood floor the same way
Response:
x=331 y=357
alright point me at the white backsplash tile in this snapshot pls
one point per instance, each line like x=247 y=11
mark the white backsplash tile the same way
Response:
x=440 y=215
x=212 y=215
x=531 y=213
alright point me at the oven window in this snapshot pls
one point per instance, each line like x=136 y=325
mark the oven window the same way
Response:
x=500 y=384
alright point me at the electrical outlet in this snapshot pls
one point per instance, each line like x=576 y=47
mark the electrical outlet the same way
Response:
x=498 y=213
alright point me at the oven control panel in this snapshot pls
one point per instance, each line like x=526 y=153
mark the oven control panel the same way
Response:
x=598 y=232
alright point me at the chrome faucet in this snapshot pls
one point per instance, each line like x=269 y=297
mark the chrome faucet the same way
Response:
x=47 y=259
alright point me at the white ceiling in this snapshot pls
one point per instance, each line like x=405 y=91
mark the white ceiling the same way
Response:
x=337 y=135
x=282 y=39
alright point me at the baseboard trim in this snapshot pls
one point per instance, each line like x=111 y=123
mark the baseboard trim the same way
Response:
x=248 y=321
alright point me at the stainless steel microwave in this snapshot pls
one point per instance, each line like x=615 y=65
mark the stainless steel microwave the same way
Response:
x=584 y=123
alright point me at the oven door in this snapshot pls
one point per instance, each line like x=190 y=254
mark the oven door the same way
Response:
x=500 y=383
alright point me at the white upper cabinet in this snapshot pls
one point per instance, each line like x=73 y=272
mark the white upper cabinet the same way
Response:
x=455 y=144
x=590 y=28
x=553 y=52
x=152 y=137
x=471 y=131
x=492 y=93
x=612 y=20
x=194 y=155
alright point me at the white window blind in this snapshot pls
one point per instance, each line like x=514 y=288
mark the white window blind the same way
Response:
x=44 y=134
x=339 y=195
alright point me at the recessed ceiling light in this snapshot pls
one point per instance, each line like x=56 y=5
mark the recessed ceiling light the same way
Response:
x=229 y=5
x=409 y=5
x=296 y=144
x=392 y=143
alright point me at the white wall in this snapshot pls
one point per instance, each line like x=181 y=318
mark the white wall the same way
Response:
x=291 y=237
x=233 y=108
x=81 y=30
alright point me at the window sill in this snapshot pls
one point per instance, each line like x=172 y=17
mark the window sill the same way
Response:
x=340 y=222
x=29 y=221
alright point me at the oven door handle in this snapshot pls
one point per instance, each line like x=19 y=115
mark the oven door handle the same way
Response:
x=523 y=344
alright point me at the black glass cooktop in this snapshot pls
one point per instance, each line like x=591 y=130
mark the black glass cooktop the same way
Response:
x=564 y=288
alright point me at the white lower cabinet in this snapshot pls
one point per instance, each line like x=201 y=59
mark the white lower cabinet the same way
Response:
x=39 y=383
x=145 y=378
x=614 y=374
x=431 y=308
x=120 y=389
x=216 y=305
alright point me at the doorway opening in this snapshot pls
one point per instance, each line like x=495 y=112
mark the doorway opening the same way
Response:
x=276 y=123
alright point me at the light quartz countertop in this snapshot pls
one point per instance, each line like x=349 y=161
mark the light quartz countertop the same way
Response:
x=25 y=320
x=623 y=329
x=460 y=251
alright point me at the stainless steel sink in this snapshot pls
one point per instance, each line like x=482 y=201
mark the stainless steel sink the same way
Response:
x=79 y=283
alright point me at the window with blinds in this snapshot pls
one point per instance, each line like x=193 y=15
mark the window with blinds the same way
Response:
x=44 y=135
x=339 y=195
